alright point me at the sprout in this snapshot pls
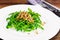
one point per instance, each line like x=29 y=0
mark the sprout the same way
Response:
x=24 y=21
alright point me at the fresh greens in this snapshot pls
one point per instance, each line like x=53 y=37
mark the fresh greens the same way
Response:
x=24 y=25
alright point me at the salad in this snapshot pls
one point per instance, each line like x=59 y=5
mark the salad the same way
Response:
x=24 y=21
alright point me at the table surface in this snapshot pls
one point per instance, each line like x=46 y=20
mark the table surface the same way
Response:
x=7 y=3
x=54 y=2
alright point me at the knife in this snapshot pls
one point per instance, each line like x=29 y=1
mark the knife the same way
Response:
x=49 y=7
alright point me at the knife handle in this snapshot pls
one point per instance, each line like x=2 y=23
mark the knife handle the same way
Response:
x=54 y=10
x=1 y=39
x=57 y=12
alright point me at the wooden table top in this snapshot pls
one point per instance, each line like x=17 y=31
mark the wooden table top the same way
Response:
x=4 y=3
x=54 y=2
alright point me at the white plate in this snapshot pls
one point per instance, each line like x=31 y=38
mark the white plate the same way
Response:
x=50 y=28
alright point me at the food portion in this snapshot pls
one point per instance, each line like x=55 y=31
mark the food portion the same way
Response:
x=24 y=21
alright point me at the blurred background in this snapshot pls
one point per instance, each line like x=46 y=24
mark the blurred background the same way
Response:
x=4 y=3
x=54 y=2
